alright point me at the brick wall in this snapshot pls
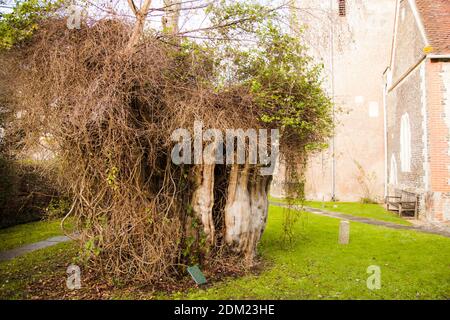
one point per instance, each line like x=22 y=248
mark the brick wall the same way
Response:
x=438 y=92
x=420 y=88
x=425 y=95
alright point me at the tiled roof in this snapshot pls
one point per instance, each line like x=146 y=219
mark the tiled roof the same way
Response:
x=435 y=16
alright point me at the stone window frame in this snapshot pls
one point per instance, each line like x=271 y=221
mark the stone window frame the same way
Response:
x=393 y=177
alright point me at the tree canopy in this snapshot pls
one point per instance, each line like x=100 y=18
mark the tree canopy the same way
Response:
x=23 y=20
x=106 y=100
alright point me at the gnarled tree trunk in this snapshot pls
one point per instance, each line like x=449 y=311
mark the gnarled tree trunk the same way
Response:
x=246 y=203
x=246 y=209
x=203 y=196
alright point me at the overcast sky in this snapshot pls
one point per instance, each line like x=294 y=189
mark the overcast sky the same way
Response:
x=192 y=15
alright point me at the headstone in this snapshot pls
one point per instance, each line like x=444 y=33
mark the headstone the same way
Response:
x=344 y=232
x=197 y=275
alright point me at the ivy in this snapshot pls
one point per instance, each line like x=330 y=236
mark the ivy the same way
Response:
x=23 y=21
x=276 y=69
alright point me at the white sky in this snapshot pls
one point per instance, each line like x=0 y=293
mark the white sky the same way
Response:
x=192 y=15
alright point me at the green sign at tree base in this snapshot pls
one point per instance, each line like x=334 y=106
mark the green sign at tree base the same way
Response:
x=197 y=275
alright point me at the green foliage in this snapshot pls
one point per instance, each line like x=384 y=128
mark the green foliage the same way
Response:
x=231 y=18
x=195 y=63
x=7 y=181
x=25 y=192
x=57 y=208
x=111 y=178
x=194 y=246
x=276 y=68
x=20 y=24
x=91 y=247
x=287 y=85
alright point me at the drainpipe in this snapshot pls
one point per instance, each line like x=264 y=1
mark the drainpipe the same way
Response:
x=387 y=77
x=333 y=143
x=385 y=140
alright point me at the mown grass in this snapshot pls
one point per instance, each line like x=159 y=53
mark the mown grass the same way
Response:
x=16 y=275
x=30 y=232
x=413 y=265
x=371 y=211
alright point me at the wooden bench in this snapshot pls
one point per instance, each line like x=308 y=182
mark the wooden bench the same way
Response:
x=403 y=202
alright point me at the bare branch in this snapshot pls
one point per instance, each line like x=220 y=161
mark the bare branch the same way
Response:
x=139 y=25
x=133 y=7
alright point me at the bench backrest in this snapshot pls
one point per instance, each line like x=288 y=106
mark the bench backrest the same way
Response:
x=406 y=195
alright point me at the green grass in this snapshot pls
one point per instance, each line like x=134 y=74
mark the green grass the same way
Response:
x=16 y=275
x=371 y=211
x=413 y=265
x=28 y=233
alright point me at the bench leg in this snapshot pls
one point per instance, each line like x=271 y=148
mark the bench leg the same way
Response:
x=400 y=210
x=416 y=212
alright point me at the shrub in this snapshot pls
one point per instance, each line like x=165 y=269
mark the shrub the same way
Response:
x=25 y=192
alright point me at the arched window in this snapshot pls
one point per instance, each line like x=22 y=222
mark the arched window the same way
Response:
x=393 y=172
x=405 y=143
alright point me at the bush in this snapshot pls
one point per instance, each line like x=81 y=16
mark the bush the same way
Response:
x=25 y=193
x=57 y=208
x=368 y=201
x=111 y=114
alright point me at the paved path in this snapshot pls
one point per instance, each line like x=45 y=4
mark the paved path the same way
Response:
x=426 y=229
x=13 y=253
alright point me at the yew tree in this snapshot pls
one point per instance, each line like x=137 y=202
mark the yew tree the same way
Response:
x=108 y=99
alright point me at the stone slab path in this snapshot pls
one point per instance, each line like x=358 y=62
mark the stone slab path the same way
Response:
x=432 y=229
x=13 y=253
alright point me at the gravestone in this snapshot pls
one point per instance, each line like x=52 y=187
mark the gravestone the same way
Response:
x=344 y=232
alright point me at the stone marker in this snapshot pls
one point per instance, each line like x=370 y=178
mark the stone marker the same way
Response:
x=344 y=232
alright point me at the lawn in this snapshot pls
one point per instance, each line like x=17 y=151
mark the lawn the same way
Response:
x=371 y=211
x=36 y=267
x=413 y=265
x=28 y=233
